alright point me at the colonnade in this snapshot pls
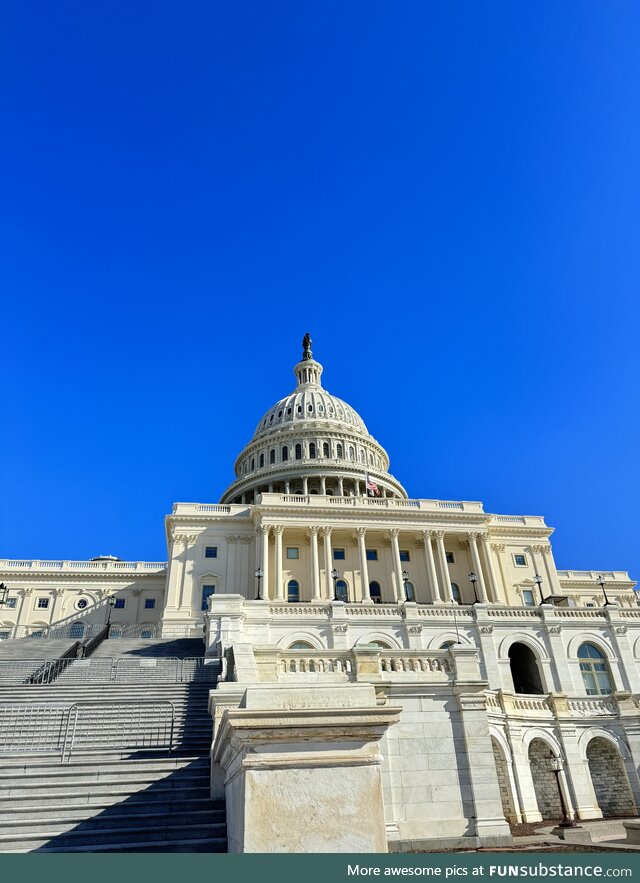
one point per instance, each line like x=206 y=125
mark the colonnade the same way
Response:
x=334 y=486
x=436 y=590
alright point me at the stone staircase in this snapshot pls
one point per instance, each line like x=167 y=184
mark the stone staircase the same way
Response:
x=115 y=800
x=176 y=648
x=37 y=648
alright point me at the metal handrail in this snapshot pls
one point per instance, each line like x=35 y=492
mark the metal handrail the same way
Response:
x=122 y=670
x=75 y=709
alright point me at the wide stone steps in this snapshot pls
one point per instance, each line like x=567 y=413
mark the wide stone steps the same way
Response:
x=101 y=802
x=35 y=648
x=175 y=648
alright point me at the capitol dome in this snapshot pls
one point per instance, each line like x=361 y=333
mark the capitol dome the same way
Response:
x=311 y=442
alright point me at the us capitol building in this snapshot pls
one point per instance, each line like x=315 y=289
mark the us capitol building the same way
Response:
x=396 y=672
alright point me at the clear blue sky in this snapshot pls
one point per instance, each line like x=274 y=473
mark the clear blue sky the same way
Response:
x=446 y=195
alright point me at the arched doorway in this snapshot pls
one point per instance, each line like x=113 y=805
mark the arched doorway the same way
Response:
x=524 y=669
x=76 y=630
x=502 y=770
x=610 y=780
x=545 y=782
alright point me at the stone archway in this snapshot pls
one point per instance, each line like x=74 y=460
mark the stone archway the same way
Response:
x=610 y=780
x=506 y=797
x=544 y=780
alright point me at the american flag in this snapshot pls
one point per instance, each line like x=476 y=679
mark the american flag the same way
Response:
x=371 y=485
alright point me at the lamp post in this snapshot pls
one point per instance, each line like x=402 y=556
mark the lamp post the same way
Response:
x=607 y=602
x=405 y=580
x=538 y=581
x=556 y=766
x=259 y=575
x=335 y=576
x=473 y=579
x=112 y=603
x=4 y=591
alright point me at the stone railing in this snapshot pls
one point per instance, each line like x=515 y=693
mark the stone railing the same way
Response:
x=551 y=706
x=208 y=509
x=316 y=501
x=100 y=566
x=359 y=664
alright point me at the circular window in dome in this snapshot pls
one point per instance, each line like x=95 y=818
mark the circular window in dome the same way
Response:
x=82 y=604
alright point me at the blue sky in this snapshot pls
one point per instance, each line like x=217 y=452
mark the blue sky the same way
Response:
x=445 y=194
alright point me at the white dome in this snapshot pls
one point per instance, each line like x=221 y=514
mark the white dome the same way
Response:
x=311 y=442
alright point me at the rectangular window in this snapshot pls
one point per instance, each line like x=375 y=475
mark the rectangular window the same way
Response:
x=210 y=551
x=120 y=603
x=589 y=604
x=42 y=604
x=520 y=560
x=404 y=555
x=207 y=592
x=293 y=553
x=11 y=603
x=372 y=554
x=450 y=558
x=338 y=554
x=527 y=597
x=149 y=603
x=4 y=635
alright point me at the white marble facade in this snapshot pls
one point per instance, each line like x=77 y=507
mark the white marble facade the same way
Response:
x=516 y=693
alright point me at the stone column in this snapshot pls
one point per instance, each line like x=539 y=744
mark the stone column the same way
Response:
x=445 y=587
x=477 y=566
x=305 y=486
x=340 y=486
x=230 y=587
x=264 y=531
x=323 y=485
x=472 y=729
x=552 y=575
x=547 y=588
x=278 y=531
x=315 y=568
x=432 y=577
x=494 y=589
x=364 y=569
x=328 y=564
x=397 y=564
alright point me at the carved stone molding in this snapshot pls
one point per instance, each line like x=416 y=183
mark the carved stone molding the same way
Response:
x=554 y=629
x=246 y=540
x=621 y=630
x=232 y=539
x=486 y=629
x=340 y=629
x=415 y=629
x=186 y=538
x=498 y=547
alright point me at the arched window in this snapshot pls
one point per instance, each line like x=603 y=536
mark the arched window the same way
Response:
x=261 y=461
x=594 y=671
x=455 y=593
x=298 y=452
x=301 y=645
x=325 y=450
x=272 y=456
x=312 y=450
x=339 y=451
x=447 y=645
x=524 y=669
x=375 y=592
x=285 y=454
x=342 y=591
x=361 y=455
x=76 y=630
x=409 y=591
x=293 y=591
x=352 y=453
x=380 y=644
x=253 y=464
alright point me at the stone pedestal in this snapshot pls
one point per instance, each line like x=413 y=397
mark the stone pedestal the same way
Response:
x=301 y=769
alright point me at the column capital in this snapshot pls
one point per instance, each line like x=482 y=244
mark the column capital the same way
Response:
x=264 y=529
x=538 y=548
x=361 y=531
x=313 y=530
x=232 y=539
x=394 y=532
x=326 y=532
x=498 y=547
x=438 y=534
x=473 y=535
x=278 y=529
